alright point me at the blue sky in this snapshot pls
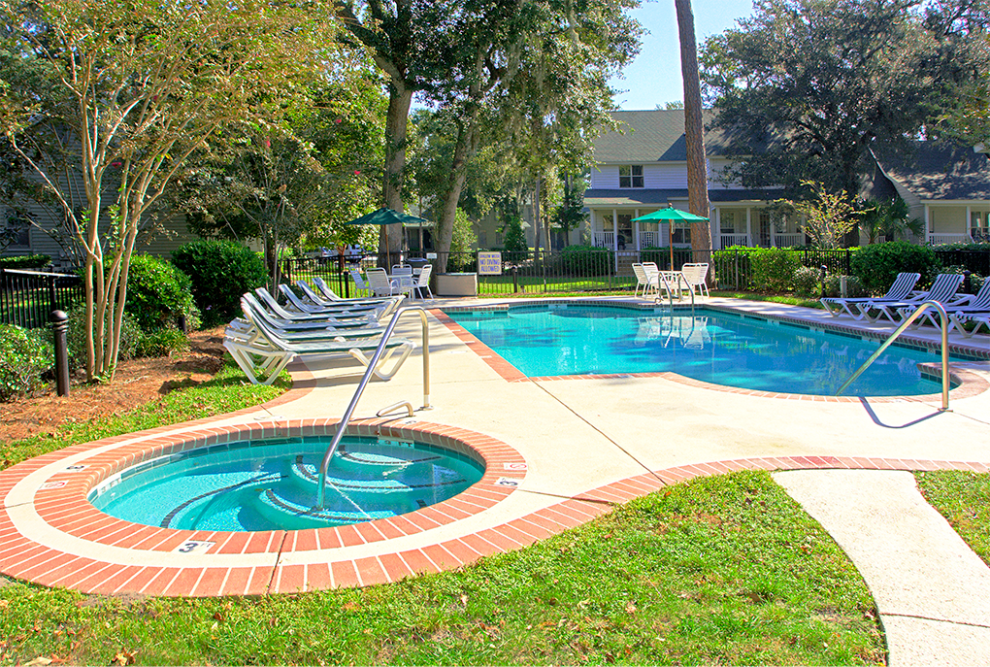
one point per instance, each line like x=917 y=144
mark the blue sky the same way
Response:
x=654 y=77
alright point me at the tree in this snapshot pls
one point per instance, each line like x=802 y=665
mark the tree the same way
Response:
x=804 y=88
x=694 y=129
x=138 y=87
x=828 y=217
x=887 y=220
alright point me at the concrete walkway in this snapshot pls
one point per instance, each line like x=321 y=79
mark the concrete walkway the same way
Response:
x=932 y=591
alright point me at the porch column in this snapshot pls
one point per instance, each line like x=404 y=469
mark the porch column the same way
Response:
x=969 y=222
x=636 y=243
x=716 y=223
x=749 y=227
x=615 y=239
x=928 y=225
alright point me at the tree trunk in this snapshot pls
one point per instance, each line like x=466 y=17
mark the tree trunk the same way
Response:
x=399 y=101
x=536 y=218
x=457 y=177
x=694 y=132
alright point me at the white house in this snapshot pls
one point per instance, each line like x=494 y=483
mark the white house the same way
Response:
x=643 y=167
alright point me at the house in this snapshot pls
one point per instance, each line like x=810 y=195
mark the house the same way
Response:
x=643 y=166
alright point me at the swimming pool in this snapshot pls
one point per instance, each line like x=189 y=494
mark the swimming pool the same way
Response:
x=272 y=484
x=729 y=349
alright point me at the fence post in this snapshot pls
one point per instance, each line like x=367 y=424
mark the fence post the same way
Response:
x=515 y=279
x=52 y=299
x=60 y=325
x=967 y=285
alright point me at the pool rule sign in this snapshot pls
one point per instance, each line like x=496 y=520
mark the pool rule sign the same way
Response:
x=489 y=263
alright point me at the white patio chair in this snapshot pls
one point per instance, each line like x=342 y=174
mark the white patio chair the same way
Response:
x=423 y=282
x=900 y=290
x=652 y=274
x=641 y=280
x=696 y=275
x=359 y=284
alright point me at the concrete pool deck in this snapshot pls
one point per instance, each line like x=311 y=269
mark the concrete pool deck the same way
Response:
x=563 y=451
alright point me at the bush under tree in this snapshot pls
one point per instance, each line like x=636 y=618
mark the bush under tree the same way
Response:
x=159 y=294
x=876 y=266
x=221 y=271
x=24 y=359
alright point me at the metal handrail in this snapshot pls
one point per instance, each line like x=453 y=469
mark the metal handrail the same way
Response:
x=670 y=292
x=943 y=317
x=342 y=426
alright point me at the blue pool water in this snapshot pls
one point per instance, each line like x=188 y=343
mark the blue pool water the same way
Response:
x=711 y=346
x=269 y=485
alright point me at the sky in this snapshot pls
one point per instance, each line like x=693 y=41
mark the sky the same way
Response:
x=654 y=77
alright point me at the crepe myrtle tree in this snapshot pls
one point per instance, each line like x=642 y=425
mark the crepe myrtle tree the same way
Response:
x=138 y=87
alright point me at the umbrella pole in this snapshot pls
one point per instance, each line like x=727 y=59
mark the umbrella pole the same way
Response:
x=670 y=242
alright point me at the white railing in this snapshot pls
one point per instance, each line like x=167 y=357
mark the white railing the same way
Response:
x=787 y=240
x=649 y=240
x=734 y=239
x=604 y=239
x=938 y=239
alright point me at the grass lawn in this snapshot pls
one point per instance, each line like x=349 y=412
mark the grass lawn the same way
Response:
x=725 y=570
x=963 y=498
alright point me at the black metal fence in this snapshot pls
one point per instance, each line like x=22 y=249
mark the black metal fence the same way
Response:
x=583 y=269
x=27 y=298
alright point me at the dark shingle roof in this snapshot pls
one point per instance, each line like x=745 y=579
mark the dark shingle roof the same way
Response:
x=599 y=197
x=939 y=170
x=651 y=136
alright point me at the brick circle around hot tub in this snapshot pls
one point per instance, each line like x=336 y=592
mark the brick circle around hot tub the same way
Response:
x=60 y=501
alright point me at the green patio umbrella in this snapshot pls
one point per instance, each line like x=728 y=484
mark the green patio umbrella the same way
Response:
x=670 y=215
x=385 y=217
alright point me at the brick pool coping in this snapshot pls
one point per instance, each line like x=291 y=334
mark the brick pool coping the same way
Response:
x=968 y=384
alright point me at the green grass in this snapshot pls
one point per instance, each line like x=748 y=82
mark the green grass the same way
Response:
x=754 y=296
x=726 y=570
x=963 y=498
x=227 y=391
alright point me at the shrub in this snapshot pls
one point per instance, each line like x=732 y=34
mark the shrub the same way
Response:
x=586 y=260
x=515 y=237
x=24 y=358
x=25 y=262
x=877 y=265
x=159 y=294
x=773 y=269
x=806 y=281
x=130 y=336
x=162 y=342
x=221 y=271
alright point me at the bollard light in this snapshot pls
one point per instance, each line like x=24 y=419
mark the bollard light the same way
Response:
x=60 y=325
x=824 y=269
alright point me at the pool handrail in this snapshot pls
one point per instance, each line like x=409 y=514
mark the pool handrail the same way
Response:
x=943 y=318
x=670 y=293
x=349 y=412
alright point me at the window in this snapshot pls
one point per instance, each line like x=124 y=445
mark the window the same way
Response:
x=15 y=232
x=682 y=235
x=727 y=221
x=631 y=177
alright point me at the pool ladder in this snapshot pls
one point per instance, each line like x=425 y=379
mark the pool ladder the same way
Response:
x=349 y=412
x=943 y=318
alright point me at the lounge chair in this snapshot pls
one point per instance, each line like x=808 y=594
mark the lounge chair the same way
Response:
x=979 y=319
x=900 y=290
x=695 y=275
x=343 y=313
x=943 y=290
x=258 y=348
x=330 y=295
x=382 y=308
x=967 y=304
x=321 y=299
x=323 y=325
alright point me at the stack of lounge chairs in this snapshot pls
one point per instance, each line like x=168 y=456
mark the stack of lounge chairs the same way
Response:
x=269 y=336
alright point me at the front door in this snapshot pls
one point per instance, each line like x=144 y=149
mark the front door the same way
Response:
x=625 y=232
x=764 y=229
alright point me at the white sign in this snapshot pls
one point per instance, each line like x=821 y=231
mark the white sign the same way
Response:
x=489 y=263
x=431 y=255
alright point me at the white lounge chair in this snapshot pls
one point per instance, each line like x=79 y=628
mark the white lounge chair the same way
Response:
x=331 y=297
x=900 y=290
x=978 y=319
x=943 y=290
x=259 y=349
x=382 y=309
x=696 y=274
x=343 y=313
x=310 y=295
x=253 y=312
x=312 y=323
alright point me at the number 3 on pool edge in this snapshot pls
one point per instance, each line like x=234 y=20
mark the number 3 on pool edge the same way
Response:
x=187 y=547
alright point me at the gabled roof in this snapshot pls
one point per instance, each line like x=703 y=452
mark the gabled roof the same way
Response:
x=651 y=136
x=938 y=171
